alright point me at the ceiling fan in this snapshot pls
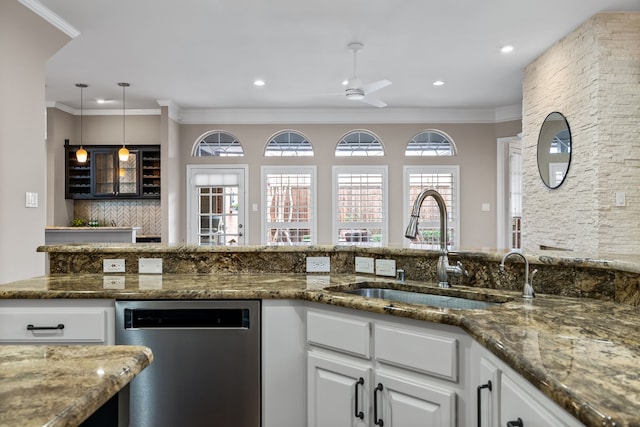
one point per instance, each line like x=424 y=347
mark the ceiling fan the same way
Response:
x=356 y=90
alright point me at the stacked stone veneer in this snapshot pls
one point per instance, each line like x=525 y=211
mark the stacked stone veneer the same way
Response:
x=592 y=76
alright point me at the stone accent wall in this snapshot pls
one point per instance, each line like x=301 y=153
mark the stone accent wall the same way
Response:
x=592 y=76
x=145 y=214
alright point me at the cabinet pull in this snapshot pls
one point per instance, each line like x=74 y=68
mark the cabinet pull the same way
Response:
x=44 y=328
x=358 y=414
x=516 y=423
x=479 y=400
x=378 y=421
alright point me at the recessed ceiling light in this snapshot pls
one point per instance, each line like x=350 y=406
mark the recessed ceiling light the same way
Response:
x=100 y=101
x=345 y=82
x=258 y=82
x=438 y=83
x=506 y=48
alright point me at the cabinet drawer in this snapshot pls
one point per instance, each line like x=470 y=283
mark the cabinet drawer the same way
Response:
x=67 y=325
x=345 y=334
x=411 y=349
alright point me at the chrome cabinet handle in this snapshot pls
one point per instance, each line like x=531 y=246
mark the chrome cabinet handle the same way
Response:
x=358 y=414
x=479 y=400
x=44 y=328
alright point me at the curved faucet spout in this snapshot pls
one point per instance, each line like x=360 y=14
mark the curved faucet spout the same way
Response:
x=528 y=289
x=443 y=267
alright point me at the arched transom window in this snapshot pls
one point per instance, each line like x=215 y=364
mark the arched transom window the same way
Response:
x=430 y=143
x=359 y=143
x=218 y=144
x=288 y=143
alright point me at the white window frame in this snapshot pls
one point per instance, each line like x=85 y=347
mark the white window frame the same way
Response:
x=454 y=170
x=266 y=170
x=384 y=226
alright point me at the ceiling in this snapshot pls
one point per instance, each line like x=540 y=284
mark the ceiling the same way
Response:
x=205 y=54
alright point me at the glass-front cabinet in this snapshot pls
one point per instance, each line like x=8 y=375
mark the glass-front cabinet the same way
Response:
x=104 y=175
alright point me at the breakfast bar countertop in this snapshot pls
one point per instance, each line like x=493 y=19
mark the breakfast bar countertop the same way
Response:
x=49 y=385
x=582 y=353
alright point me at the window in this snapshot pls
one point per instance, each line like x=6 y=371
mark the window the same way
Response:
x=360 y=205
x=430 y=143
x=218 y=144
x=288 y=143
x=359 y=143
x=288 y=195
x=443 y=179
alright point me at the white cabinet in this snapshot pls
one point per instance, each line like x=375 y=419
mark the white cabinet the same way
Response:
x=365 y=370
x=338 y=392
x=512 y=398
x=60 y=321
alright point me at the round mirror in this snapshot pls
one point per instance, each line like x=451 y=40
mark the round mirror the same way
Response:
x=554 y=150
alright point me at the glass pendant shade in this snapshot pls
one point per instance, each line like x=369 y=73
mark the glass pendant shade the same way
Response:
x=123 y=154
x=81 y=155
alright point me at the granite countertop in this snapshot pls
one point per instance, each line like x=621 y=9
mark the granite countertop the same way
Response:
x=52 y=386
x=582 y=353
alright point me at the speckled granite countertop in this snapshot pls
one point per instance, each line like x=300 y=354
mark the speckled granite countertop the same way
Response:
x=63 y=385
x=582 y=353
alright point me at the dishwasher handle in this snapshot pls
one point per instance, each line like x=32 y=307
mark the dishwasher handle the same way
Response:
x=187 y=318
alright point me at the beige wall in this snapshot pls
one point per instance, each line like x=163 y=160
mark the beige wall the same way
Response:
x=476 y=144
x=26 y=42
x=592 y=76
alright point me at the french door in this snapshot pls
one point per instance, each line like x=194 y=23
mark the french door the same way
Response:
x=216 y=205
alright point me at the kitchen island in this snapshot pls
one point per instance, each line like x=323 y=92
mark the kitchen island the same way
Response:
x=586 y=350
x=63 y=385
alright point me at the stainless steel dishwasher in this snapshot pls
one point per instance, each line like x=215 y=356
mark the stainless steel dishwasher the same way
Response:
x=206 y=368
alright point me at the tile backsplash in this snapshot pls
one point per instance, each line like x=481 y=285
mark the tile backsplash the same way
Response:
x=123 y=213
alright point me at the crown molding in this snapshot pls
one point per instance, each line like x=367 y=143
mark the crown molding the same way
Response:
x=173 y=109
x=48 y=15
x=350 y=115
x=313 y=115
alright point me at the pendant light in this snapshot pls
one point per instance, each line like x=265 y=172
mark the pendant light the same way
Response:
x=81 y=153
x=123 y=153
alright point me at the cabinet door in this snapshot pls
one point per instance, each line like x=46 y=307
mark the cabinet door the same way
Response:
x=128 y=176
x=521 y=400
x=488 y=397
x=403 y=403
x=104 y=176
x=332 y=387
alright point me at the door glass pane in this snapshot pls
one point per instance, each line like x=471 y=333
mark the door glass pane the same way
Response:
x=104 y=173
x=218 y=215
x=128 y=174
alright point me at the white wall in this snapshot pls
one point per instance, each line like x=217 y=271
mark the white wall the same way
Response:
x=26 y=42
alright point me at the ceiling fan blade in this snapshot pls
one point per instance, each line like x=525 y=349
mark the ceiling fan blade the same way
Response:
x=374 y=101
x=374 y=86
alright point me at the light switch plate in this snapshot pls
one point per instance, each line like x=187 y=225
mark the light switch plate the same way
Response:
x=386 y=267
x=150 y=265
x=364 y=265
x=31 y=200
x=113 y=265
x=318 y=264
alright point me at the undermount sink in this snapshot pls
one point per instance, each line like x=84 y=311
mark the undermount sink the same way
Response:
x=422 y=298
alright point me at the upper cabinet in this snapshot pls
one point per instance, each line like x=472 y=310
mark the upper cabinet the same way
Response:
x=105 y=176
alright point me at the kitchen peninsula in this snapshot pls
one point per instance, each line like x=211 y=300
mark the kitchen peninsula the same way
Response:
x=576 y=342
x=63 y=385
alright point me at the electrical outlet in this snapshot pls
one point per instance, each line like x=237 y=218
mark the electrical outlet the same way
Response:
x=113 y=282
x=318 y=264
x=386 y=267
x=150 y=265
x=364 y=265
x=113 y=266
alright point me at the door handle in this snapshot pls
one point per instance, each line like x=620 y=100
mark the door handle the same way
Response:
x=44 y=328
x=378 y=421
x=358 y=414
x=479 y=400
